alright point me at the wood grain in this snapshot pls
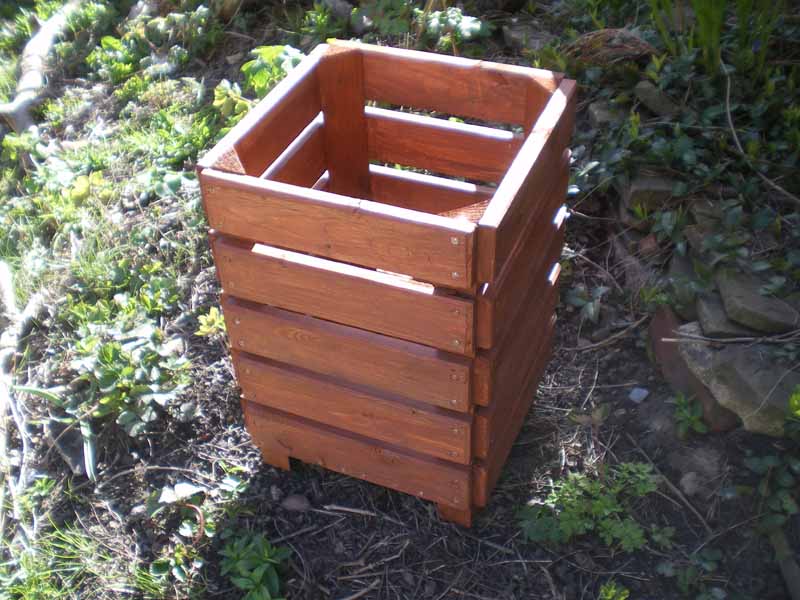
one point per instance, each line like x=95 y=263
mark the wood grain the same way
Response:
x=426 y=193
x=497 y=368
x=383 y=363
x=487 y=472
x=455 y=86
x=427 y=247
x=341 y=83
x=341 y=451
x=538 y=247
x=441 y=146
x=345 y=294
x=520 y=190
x=270 y=127
x=303 y=162
x=427 y=429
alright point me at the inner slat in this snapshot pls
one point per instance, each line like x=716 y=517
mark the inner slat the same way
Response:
x=446 y=147
x=303 y=162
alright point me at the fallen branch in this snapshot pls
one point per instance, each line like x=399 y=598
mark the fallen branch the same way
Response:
x=610 y=339
x=32 y=65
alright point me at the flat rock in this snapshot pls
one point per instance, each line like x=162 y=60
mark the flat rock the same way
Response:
x=714 y=320
x=525 y=35
x=748 y=381
x=603 y=113
x=655 y=99
x=673 y=365
x=648 y=191
x=745 y=305
x=68 y=444
x=684 y=284
x=705 y=212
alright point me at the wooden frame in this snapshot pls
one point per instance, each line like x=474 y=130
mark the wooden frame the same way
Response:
x=389 y=270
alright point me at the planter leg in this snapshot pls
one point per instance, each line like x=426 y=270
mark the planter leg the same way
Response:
x=455 y=515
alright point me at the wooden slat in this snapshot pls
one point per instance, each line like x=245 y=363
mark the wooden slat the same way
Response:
x=426 y=247
x=395 y=366
x=403 y=470
x=269 y=128
x=303 y=162
x=427 y=429
x=426 y=193
x=341 y=81
x=521 y=189
x=345 y=294
x=456 y=86
x=440 y=146
x=499 y=369
x=487 y=472
x=499 y=301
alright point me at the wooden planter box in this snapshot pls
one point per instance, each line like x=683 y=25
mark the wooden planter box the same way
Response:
x=384 y=323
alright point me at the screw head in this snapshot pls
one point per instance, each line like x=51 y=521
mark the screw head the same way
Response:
x=241 y=343
x=453 y=402
x=237 y=321
x=454 y=240
x=456 y=275
x=247 y=371
x=456 y=342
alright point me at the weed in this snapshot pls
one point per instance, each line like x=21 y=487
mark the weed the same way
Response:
x=688 y=416
x=269 y=65
x=449 y=29
x=579 y=505
x=252 y=564
x=320 y=24
x=388 y=17
x=611 y=590
x=211 y=324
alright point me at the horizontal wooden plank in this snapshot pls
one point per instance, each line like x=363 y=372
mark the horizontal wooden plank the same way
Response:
x=520 y=191
x=426 y=193
x=500 y=368
x=456 y=86
x=441 y=146
x=404 y=470
x=345 y=294
x=426 y=429
x=424 y=246
x=269 y=128
x=303 y=162
x=412 y=370
x=539 y=247
x=487 y=472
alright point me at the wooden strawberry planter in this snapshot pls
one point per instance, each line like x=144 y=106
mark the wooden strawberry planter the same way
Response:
x=384 y=323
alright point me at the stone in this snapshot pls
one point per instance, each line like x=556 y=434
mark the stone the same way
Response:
x=683 y=284
x=714 y=320
x=695 y=235
x=68 y=444
x=656 y=100
x=525 y=35
x=745 y=305
x=648 y=191
x=637 y=271
x=296 y=503
x=748 y=381
x=673 y=366
x=602 y=114
x=700 y=469
x=638 y=395
x=648 y=245
x=705 y=212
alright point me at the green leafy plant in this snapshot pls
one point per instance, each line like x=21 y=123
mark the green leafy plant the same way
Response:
x=589 y=302
x=448 y=29
x=580 y=505
x=388 y=17
x=252 y=564
x=320 y=24
x=691 y=576
x=611 y=590
x=211 y=324
x=270 y=64
x=688 y=415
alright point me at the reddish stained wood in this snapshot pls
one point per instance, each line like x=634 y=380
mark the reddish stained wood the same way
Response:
x=426 y=193
x=383 y=363
x=345 y=294
x=428 y=429
x=270 y=127
x=499 y=301
x=303 y=162
x=487 y=472
x=541 y=154
x=456 y=86
x=459 y=516
x=341 y=81
x=400 y=469
x=424 y=246
x=440 y=146
x=495 y=369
